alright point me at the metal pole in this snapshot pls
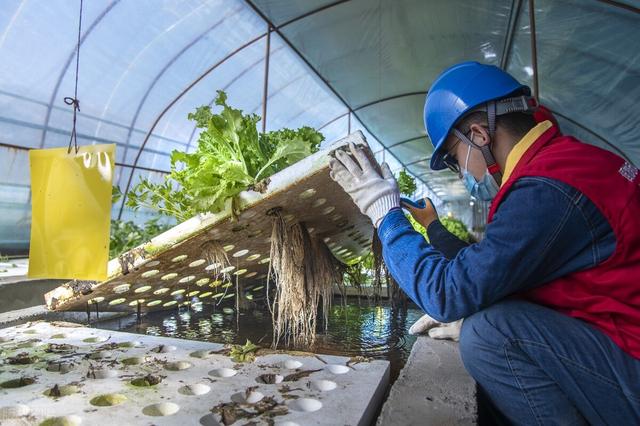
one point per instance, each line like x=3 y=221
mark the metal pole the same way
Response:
x=265 y=92
x=534 y=49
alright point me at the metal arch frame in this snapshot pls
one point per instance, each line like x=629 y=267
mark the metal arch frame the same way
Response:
x=351 y=110
x=177 y=98
x=164 y=69
x=310 y=66
x=514 y=18
x=89 y=30
x=226 y=87
x=250 y=42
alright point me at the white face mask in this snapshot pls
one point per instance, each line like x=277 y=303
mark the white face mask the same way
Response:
x=484 y=190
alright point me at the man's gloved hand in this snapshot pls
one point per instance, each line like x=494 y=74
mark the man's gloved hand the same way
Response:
x=425 y=215
x=374 y=194
x=436 y=329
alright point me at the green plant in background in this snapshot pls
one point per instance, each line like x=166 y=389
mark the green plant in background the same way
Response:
x=406 y=183
x=126 y=235
x=453 y=225
x=231 y=157
x=457 y=228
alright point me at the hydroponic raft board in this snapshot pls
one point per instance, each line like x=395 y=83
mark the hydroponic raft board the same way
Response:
x=171 y=269
x=53 y=374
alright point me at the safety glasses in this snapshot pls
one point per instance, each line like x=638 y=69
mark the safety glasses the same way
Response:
x=450 y=160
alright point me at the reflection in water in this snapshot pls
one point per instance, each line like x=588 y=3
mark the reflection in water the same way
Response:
x=354 y=329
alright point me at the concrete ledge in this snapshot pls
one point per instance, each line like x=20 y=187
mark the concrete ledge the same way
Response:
x=433 y=388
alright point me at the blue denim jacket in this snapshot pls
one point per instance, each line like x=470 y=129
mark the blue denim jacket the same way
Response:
x=543 y=229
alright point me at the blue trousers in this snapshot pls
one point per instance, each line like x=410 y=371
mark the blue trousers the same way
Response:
x=541 y=367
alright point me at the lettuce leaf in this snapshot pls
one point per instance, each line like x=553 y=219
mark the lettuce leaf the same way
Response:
x=231 y=156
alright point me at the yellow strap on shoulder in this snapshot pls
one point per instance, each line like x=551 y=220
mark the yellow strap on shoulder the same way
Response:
x=71 y=212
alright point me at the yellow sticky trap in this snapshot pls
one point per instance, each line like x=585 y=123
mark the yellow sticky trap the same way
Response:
x=71 y=212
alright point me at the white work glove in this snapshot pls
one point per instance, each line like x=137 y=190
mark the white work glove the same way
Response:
x=374 y=195
x=436 y=329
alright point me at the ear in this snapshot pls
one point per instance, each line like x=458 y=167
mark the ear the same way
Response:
x=479 y=134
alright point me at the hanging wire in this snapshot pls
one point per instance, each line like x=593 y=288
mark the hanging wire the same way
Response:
x=74 y=100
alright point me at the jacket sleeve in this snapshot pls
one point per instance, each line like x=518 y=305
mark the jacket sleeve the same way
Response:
x=443 y=240
x=534 y=234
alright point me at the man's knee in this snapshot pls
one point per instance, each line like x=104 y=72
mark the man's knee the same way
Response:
x=483 y=335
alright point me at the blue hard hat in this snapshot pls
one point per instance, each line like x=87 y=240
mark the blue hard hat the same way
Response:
x=458 y=90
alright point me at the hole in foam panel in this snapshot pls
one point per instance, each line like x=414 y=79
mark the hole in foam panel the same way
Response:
x=253 y=257
x=250 y=397
x=170 y=303
x=265 y=260
x=240 y=253
x=193 y=293
x=71 y=420
x=154 y=303
x=306 y=405
x=336 y=217
x=161 y=290
x=197 y=263
x=251 y=274
x=187 y=279
x=64 y=390
x=152 y=264
x=194 y=389
x=178 y=365
x=102 y=373
x=118 y=301
x=223 y=372
x=177 y=292
x=307 y=193
x=135 y=302
x=228 y=247
x=121 y=288
x=323 y=385
x=212 y=267
x=206 y=294
x=328 y=210
x=227 y=269
x=95 y=339
x=179 y=258
x=169 y=276
x=202 y=281
x=337 y=369
x=319 y=202
x=96 y=300
x=17 y=383
x=161 y=409
x=108 y=399
x=240 y=272
x=142 y=289
x=150 y=273
x=291 y=364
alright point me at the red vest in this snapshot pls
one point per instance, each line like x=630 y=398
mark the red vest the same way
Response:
x=607 y=295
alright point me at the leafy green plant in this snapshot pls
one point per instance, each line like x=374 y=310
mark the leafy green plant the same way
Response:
x=453 y=225
x=457 y=228
x=406 y=183
x=244 y=353
x=231 y=157
x=126 y=235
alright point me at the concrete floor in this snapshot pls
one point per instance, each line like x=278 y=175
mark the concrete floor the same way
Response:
x=433 y=388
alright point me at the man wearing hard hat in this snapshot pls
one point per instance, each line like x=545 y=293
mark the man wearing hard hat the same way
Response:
x=551 y=296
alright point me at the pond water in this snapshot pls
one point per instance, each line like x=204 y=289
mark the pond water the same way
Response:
x=357 y=328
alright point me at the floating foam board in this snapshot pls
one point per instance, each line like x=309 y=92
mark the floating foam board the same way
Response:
x=99 y=374
x=171 y=270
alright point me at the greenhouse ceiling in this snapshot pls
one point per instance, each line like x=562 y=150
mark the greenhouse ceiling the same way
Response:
x=338 y=66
